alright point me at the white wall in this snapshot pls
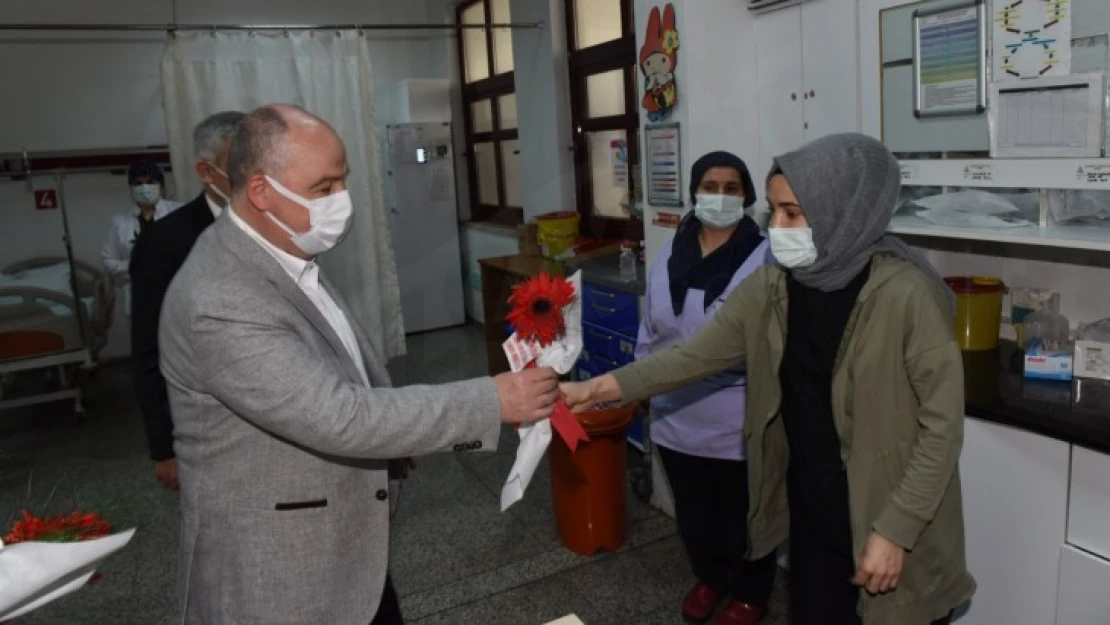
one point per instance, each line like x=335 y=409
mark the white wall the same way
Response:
x=102 y=90
x=655 y=236
x=717 y=101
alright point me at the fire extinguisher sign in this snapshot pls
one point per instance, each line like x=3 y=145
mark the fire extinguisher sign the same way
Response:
x=46 y=199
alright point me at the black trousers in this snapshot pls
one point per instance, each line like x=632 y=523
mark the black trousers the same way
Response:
x=389 y=611
x=711 y=507
x=821 y=591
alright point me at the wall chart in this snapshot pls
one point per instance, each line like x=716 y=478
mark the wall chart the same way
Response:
x=1031 y=39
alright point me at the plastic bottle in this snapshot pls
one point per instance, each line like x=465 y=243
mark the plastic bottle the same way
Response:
x=628 y=264
x=1045 y=330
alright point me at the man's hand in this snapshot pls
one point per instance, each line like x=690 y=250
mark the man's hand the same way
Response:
x=582 y=396
x=880 y=566
x=166 y=472
x=528 y=396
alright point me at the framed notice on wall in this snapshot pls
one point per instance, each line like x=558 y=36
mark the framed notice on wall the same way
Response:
x=949 y=60
x=664 y=164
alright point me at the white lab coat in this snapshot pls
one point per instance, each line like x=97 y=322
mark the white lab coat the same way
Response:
x=115 y=254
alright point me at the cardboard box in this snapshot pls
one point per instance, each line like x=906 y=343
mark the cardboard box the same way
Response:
x=1049 y=365
x=1092 y=360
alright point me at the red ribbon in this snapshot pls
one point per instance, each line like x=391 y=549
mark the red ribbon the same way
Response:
x=567 y=425
x=564 y=422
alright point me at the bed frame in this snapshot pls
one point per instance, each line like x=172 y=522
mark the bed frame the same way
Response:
x=38 y=338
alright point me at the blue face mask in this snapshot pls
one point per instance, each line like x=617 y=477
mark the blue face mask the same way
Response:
x=146 y=194
x=719 y=211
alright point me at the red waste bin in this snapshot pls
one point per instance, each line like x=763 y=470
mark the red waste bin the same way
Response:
x=589 y=485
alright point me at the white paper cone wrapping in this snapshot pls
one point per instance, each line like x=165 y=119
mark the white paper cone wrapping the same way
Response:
x=32 y=574
x=561 y=357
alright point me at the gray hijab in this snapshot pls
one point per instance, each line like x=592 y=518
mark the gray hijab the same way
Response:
x=847 y=185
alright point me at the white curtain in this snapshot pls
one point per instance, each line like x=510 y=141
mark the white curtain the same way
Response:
x=327 y=73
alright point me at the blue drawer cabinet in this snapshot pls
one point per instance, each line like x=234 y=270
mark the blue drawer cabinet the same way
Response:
x=609 y=346
x=613 y=310
x=611 y=322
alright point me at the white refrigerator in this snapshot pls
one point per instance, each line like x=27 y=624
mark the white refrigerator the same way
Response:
x=425 y=225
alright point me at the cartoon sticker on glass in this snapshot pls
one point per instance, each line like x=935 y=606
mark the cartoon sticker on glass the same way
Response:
x=658 y=58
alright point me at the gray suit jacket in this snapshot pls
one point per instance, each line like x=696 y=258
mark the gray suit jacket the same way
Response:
x=281 y=449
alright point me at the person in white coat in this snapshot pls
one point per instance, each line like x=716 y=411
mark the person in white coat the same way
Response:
x=147 y=192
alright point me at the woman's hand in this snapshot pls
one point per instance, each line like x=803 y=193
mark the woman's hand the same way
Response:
x=880 y=566
x=582 y=396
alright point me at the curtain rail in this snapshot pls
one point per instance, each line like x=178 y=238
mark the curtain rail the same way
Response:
x=261 y=27
x=19 y=176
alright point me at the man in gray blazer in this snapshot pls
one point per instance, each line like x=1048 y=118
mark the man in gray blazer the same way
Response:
x=283 y=416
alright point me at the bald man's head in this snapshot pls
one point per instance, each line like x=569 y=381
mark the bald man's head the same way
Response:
x=272 y=136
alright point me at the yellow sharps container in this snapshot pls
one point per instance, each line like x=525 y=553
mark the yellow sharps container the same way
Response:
x=978 y=311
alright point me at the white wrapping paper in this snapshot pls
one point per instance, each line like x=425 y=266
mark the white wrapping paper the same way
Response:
x=32 y=574
x=561 y=357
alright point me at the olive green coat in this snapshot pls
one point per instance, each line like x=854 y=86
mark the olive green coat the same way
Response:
x=898 y=403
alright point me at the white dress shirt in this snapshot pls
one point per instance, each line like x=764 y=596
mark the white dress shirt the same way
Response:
x=216 y=209
x=306 y=274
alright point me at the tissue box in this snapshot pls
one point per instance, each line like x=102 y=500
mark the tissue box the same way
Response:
x=1045 y=365
x=1092 y=360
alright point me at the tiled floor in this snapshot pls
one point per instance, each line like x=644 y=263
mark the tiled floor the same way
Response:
x=456 y=558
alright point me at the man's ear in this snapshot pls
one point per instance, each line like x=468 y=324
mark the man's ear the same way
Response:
x=203 y=172
x=259 y=192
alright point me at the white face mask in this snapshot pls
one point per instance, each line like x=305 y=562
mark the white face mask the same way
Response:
x=216 y=190
x=793 y=247
x=146 y=194
x=720 y=211
x=330 y=217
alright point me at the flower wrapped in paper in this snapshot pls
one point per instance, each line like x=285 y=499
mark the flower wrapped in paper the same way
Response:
x=546 y=317
x=44 y=559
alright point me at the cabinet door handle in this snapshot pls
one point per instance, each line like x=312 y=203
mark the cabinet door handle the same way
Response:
x=603 y=294
x=611 y=363
x=793 y=96
x=600 y=336
x=812 y=93
x=605 y=309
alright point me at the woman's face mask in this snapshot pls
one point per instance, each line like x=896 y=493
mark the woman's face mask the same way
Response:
x=329 y=216
x=793 y=247
x=146 y=194
x=719 y=211
x=789 y=234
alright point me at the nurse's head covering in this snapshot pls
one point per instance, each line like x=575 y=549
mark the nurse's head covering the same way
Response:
x=145 y=169
x=721 y=159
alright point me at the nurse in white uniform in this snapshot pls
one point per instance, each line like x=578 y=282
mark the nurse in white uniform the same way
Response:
x=147 y=187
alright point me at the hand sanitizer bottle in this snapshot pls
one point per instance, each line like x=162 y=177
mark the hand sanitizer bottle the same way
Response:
x=628 y=263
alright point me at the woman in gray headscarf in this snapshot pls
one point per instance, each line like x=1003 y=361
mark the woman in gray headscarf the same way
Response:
x=854 y=422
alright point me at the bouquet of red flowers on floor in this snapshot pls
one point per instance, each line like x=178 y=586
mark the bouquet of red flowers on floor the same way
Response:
x=546 y=317
x=43 y=559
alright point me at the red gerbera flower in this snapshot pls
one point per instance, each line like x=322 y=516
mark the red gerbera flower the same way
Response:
x=60 y=529
x=537 y=312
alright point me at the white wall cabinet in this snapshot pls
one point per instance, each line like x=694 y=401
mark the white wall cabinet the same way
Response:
x=1089 y=506
x=1015 y=488
x=1084 y=591
x=808 y=73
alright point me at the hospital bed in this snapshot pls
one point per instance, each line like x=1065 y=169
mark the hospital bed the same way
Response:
x=45 y=329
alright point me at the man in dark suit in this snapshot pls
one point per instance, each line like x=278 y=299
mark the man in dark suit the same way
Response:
x=157 y=256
